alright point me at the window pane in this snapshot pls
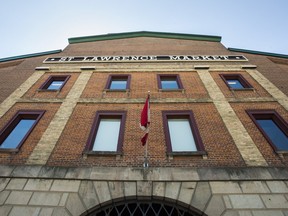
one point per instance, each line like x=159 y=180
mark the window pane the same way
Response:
x=276 y=135
x=234 y=83
x=181 y=135
x=55 y=85
x=118 y=84
x=107 y=135
x=170 y=83
x=18 y=133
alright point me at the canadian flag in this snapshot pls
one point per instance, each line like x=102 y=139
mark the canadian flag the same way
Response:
x=145 y=120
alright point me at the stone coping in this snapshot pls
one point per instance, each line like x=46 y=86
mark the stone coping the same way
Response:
x=153 y=100
x=141 y=174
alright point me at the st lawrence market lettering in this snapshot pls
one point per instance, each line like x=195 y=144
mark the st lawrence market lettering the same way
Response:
x=145 y=58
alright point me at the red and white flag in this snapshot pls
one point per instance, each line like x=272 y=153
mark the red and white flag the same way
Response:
x=145 y=120
x=144 y=139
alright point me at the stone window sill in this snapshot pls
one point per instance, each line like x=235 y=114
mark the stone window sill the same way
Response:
x=11 y=150
x=202 y=154
x=102 y=153
x=116 y=90
x=243 y=89
x=172 y=90
x=48 y=90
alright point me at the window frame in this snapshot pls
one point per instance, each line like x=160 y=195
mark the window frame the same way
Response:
x=246 y=85
x=50 y=79
x=193 y=126
x=278 y=120
x=94 y=130
x=177 y=79
x=10 y=126
x=118 y=76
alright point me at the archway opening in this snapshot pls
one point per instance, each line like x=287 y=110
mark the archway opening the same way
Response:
x=143 y=207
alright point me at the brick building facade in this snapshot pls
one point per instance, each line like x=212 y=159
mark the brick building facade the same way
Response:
x=235 y=169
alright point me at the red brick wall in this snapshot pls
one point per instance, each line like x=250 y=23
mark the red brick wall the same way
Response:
x=28 y=146
x=34 y=92
x=272 y=158
x=218 y=143
x=142 y=82
x=276 y=73
x=146 y=46
x=14 y=73
x=258 y=91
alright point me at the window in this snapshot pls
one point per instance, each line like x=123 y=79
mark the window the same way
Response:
x=55 y=83
x=18 y=129
x=118 y=82
x=272 y=126
x=181 y=133
x=169 y=82
x=235 y=81
x=107 y=132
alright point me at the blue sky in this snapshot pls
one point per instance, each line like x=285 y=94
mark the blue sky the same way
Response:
x=33 y=26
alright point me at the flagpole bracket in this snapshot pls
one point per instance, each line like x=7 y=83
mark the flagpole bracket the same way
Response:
x=145 y=165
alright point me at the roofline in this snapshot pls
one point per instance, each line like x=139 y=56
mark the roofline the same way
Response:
x=258 y=52
x=125 y=35
x=30 y=55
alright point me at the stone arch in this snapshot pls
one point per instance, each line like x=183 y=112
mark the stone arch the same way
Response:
x=194 y=197
x=143 y=206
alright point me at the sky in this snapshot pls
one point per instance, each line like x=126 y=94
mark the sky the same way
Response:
x=33 y=26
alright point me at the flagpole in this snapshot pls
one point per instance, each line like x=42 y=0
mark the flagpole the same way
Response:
x=146 y=155
x=146 y=165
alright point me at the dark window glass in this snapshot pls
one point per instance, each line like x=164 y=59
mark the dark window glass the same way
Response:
x=276 y=135
x=235 y=81
x=272 y=126
x=235 y=84
x=55 y=85
x=118 y=84
x=18 y=133
x=169 y=83
x=14 y=134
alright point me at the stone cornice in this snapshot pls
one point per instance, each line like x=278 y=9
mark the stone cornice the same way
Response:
x=150 y=174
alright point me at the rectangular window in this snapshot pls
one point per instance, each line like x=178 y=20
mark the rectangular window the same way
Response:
x=179 y=129
x=169 y=82
x=235 y=81
x=118 y=82
x=181 y=132
x=18 y=129
x=55 y=83
x=107 y=132
x=107 y=135
x=272 y=126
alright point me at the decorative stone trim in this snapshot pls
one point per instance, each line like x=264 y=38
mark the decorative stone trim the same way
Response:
x=19 y=92
x=153 y=100
x=145 y=67
x=243 y=141
x=270 y=88
x=150 y=174
x=50 y=137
